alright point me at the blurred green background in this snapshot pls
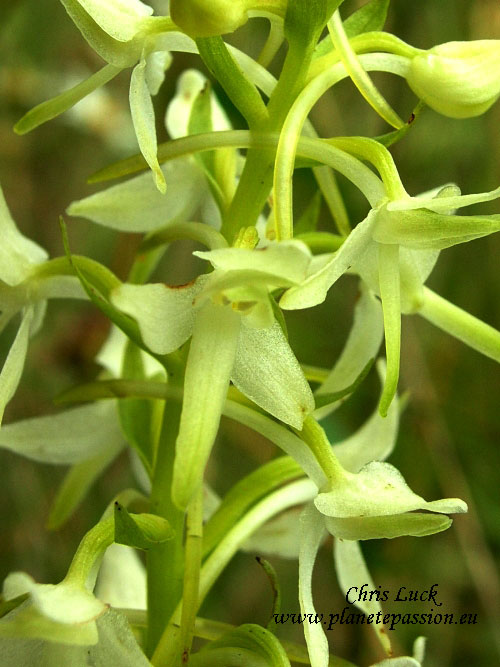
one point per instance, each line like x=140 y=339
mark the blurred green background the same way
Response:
x=448 y=443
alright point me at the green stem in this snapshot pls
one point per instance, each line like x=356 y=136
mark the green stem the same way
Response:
x=288 y=496
x=194 y=535
x=251 y=194
x=165 y=564
x=242 y=93
x=314 y=436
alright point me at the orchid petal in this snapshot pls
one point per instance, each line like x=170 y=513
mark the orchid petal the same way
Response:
x=312 y=531
x=314 y=290
x=157 y=63
x=374 y=441
x=14 y=364
x=63 y=603
x=65 y=438
x=143 y=118
x=277 y=537
x=352 y=572
x=426 y=229
x=122 y=53
x=267 y=371
x=387 y=527
x=443 y=203
x=362 y=345
x=389 y=280
x=138 y=206
x=164 y=314
x=211 y=358
x=288 y=259
x=189 y=85
x=18 y=254
x=120 y=19
x=119 y=564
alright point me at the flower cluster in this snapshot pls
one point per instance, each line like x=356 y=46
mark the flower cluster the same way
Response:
x=179 y=357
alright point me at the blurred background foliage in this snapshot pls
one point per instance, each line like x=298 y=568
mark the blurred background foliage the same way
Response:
x=448 y=443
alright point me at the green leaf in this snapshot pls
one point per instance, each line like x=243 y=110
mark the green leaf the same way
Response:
x=368 y=18
x=244 y=495
x=138 y=416
x=275 y=586
x=251 y=638
x=145 y=534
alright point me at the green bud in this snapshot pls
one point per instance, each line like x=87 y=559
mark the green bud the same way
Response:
x=458 y=79
x=208 y=18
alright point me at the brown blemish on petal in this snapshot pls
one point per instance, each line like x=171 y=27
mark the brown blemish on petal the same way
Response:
x=184 y=286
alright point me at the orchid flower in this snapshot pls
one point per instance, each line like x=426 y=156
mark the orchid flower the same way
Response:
x=229 y=315
x=363 y=498
x=137 y=205
x=24 y=288
x=394 y=249
x=124 y=34
x=66 y=621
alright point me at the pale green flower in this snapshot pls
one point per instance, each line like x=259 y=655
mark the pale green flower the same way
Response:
x=458 y=79
x=124 y=34
x=235 y=337
x=24 y=289
x=137 y=206
x=394 y=250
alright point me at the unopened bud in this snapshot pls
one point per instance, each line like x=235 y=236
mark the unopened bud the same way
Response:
x=208 y=18
x=458 y=79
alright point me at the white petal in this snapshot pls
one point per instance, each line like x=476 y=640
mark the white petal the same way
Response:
x=122 y=564
x=65 y=438
x=288 y=259
x=156 y=64
x=189 y=85
x=374 y=441
x=311 y=535
x=117 y=644
x=315 y=288
x=137 y=206
x=267 y=371
x=165 y=315
x=210 y=360
x=121 y=19
x=278 y=537
x=143 y=117
x=352 y=572
x=63 y=603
